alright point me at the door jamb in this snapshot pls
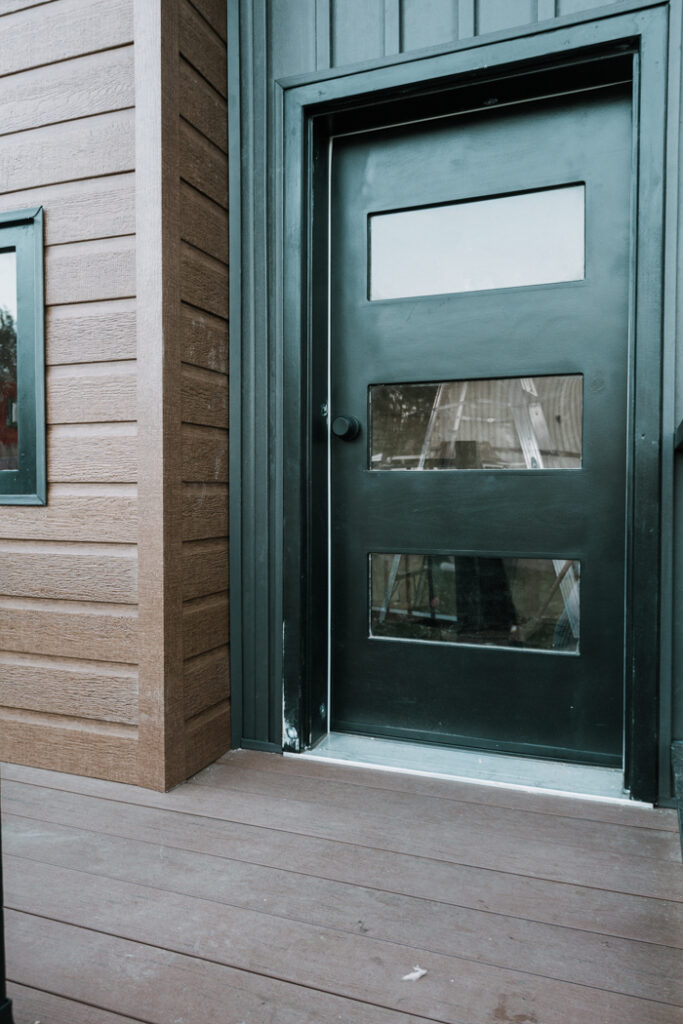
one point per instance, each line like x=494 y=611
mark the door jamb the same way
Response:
x=299 y=103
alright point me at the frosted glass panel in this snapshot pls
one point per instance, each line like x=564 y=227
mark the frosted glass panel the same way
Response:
x=532 y=603
x=9 y=434
x=532 y=238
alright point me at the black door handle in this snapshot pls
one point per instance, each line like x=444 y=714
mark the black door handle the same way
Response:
x=346 y=428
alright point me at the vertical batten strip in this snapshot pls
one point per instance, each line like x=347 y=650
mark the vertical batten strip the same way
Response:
x=392 y=27
x=546 y=9
x=467 y=22
x=162 y=756
x=323 y=34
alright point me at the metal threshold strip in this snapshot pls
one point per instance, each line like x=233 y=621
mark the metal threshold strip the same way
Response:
x=473 y=766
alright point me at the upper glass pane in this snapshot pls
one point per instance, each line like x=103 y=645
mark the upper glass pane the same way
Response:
x=501 y=423
x=507 y=242
x=9 y=434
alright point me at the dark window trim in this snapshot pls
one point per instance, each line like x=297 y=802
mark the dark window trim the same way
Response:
x=22 y=230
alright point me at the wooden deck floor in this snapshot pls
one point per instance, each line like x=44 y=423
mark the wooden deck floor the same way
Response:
x=277 y=891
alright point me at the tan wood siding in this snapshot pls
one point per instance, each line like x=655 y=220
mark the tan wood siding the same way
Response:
x=204 y=407
x=83 y=689
x=69 y=587
x=205 y=511
x=203 y=48
x=202 y=164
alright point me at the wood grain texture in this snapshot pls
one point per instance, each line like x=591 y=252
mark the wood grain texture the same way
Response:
x=205 y=454
x=88 y=333
x=203 y=223
x=88 y=271
x=203 y=281
x=206 y=681
x=106 y=750
x=57 y=31
x=207 y=736
x=70 y=629
x=456 y=988
x=82 y=689
x=96 y=969
x=92 y=454
x=202 y=47
x=205 y=511
x=202 y=164
x=92 y=393
x=568 y=955
x=31 y=1005
x=65 y=152
x=78 y=803
x=79 y=210
x=203 y=107
x=205 y=568
x=540 y=801
x=12 y=6
x=162 y=724
x=204 y=339
x=69 y=572
x=205 y=624
x=204 y=397
x=93 y=84
x=73 y=517
x=215 y=14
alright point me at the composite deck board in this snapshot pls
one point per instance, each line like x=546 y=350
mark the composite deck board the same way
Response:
x=541 y=802
x=42 y=871
x=516 y=822
x=653 y=920
x=221 y=904
x=477 y=845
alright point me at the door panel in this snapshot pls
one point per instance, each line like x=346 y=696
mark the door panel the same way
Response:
x=473 y=548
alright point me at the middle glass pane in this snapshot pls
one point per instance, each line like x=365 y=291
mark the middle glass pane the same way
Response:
x=499 y=423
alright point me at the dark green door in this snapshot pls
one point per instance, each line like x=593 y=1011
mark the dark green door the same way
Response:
x=479 y=337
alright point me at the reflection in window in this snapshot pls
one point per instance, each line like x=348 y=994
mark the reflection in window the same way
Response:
x=9 y=434
x=506 y=242
x=506 y=423
x=531 y=603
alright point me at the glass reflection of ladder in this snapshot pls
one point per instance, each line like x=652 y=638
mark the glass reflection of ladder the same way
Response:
x=531 y=427
x=438 y=405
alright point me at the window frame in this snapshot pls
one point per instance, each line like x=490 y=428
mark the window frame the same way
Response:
x=22 y=231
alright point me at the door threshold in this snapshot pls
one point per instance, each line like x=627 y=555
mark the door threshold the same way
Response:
x=473 y=766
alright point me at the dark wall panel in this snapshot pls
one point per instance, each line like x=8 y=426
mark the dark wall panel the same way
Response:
x=358 y=28
x=428 y=23
x=292 y=39
x=494 y=15
x=572 y=6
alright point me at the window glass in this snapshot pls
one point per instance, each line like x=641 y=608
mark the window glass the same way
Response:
x=532 y=603
x=505 y=242
x=499 y=423
x=9 y=427
x=22 y=359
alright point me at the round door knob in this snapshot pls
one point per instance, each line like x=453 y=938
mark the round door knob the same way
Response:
x=346 y=428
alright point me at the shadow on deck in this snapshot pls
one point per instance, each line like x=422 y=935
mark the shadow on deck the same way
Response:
x=277 y=891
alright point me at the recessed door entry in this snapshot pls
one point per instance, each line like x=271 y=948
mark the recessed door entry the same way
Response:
x=479 y=368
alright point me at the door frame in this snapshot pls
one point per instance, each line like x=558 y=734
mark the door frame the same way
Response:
x=308 y=110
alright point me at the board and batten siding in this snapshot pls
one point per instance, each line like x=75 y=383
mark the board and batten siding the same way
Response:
x=93 y=677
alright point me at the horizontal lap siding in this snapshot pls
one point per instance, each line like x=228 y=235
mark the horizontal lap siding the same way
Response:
x=68 y=586
x=203 y=295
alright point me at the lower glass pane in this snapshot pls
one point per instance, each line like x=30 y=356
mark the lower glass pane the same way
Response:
x=9 y=434
x=531 y=603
